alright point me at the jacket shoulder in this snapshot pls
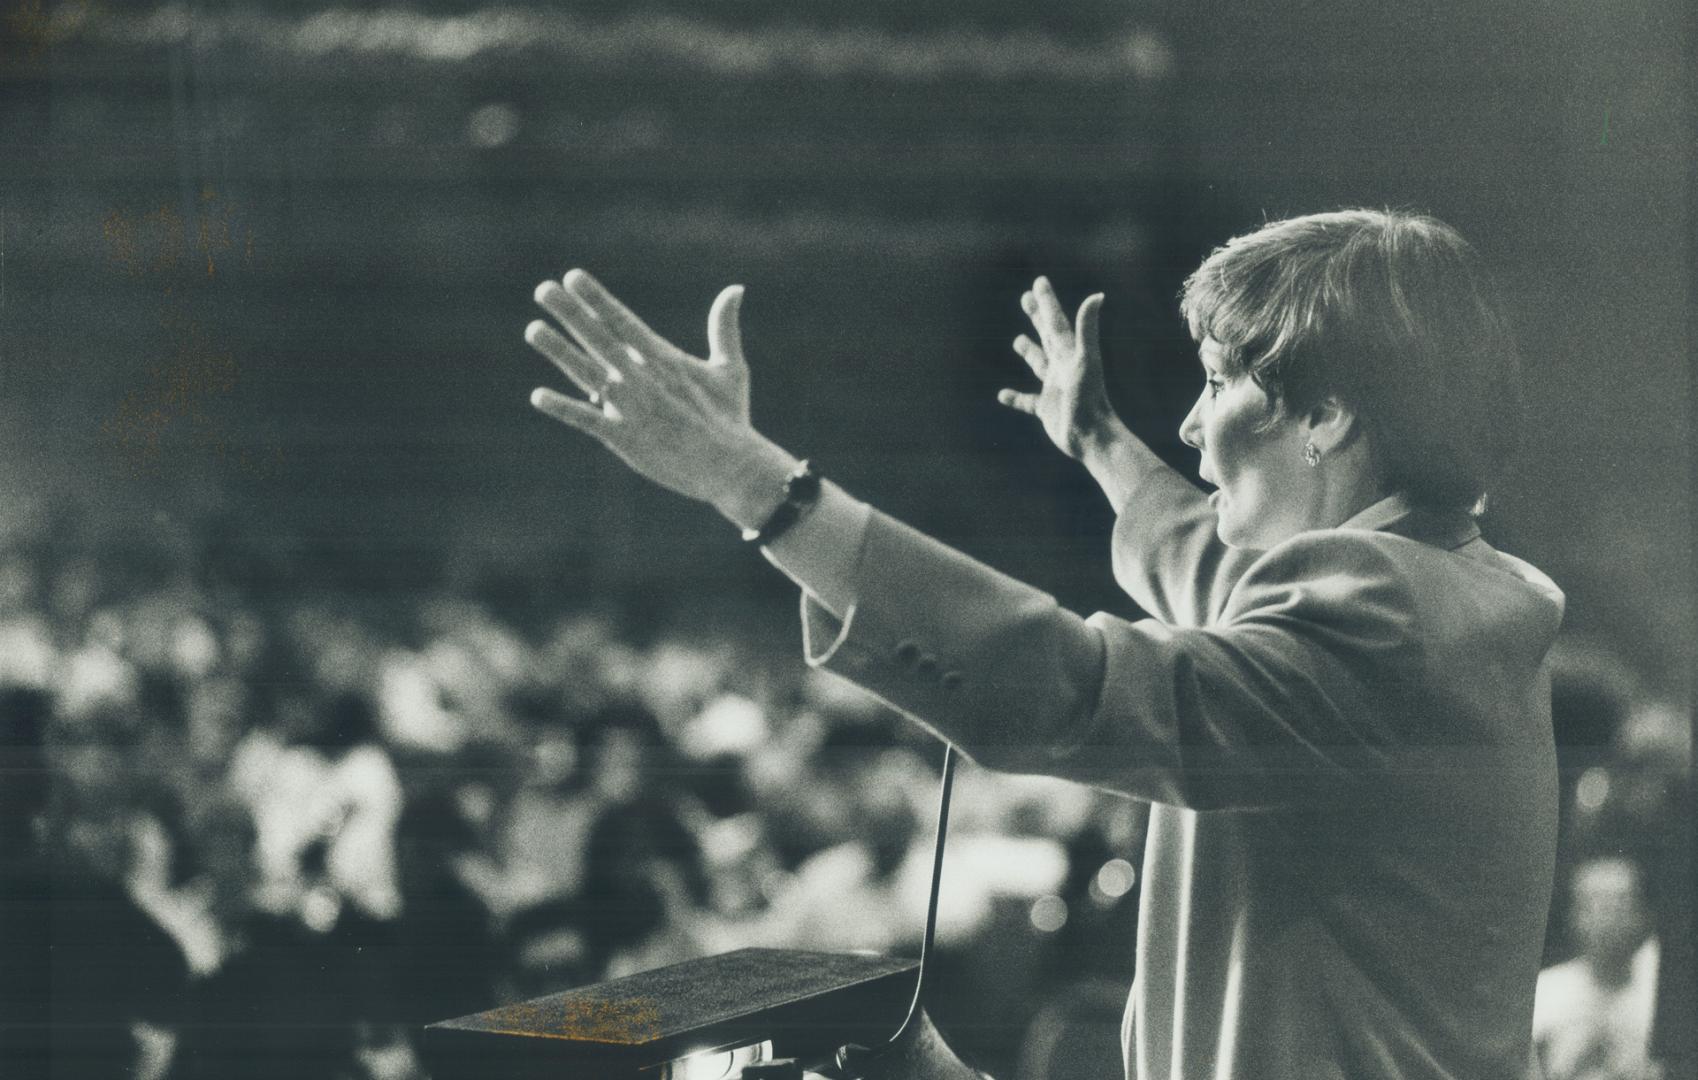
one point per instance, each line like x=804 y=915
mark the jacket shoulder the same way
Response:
x=1465 y=598
x=1332 y=568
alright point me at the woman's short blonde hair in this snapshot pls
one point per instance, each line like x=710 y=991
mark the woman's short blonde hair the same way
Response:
x=1391 y=313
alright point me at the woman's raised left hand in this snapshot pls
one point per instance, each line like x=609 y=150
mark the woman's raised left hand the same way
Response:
x=680 y=421
x=1073 y=401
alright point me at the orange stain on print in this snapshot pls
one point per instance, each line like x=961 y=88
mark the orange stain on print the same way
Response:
x=625 y=1021
x=181 y=253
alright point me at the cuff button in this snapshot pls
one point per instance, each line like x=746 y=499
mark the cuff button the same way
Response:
x=908 y=652
x=951 y=680
x=926 y=667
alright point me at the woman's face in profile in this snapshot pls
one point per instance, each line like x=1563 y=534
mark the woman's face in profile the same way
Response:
x=1252 y=454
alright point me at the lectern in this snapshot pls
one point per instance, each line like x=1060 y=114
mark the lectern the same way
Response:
x=699 y=1020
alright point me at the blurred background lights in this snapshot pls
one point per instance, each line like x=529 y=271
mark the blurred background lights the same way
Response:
x=1150 y=55
x=1113 y=880
x=1593 y=789
x=194 y=648
x=492 y=125
x=1049 y=913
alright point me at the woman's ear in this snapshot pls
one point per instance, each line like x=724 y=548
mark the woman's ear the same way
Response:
x=1331 y=425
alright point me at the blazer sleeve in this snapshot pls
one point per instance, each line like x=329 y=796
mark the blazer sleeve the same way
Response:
x=1167 y=555
x=1291 y=697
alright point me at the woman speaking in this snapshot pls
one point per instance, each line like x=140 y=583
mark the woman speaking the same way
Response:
x=1338 y=707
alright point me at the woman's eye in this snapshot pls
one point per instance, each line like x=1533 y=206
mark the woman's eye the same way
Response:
x=1215 y=386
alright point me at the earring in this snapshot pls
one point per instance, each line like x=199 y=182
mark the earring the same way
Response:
x=1311 y=454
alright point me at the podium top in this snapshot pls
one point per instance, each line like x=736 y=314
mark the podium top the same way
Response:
x=806 y=1002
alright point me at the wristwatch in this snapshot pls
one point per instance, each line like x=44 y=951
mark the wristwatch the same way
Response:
x=801 y=491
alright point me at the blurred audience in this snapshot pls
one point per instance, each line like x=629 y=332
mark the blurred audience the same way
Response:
x=271 y=828
x=85 y=973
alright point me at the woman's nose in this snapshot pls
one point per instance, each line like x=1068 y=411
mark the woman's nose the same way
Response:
x=1191 y=428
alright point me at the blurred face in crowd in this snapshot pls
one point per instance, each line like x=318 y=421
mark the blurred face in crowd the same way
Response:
x=1608 y=915
x=216 y=721
x=620 y=765
x=1252 y=454
x=554 y=760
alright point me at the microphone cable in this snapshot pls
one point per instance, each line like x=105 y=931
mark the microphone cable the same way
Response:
x=847 y=1054
x=944 y=788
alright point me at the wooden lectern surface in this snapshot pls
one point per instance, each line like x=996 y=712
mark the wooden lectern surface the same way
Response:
x=806 y=1002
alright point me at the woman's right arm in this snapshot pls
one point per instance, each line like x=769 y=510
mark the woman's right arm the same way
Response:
x=1167 y=555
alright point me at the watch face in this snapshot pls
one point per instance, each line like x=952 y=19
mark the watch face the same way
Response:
x=803 y=485
x=801 y=491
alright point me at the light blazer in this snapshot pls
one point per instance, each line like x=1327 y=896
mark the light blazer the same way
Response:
x=1347 y=741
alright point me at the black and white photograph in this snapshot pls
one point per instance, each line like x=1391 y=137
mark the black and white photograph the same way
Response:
x=907 y=540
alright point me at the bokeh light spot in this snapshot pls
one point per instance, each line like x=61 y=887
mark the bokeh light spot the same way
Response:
x=1049 y=913
x=1115 y=878
x=1593 y=789
x=492 y=126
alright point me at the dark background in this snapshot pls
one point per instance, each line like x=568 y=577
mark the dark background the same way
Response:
x=274 y=265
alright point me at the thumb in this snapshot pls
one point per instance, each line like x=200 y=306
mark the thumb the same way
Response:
x=725 y=331
x=1088 y=325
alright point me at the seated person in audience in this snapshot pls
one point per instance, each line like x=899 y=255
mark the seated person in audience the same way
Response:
x=1592 y=1014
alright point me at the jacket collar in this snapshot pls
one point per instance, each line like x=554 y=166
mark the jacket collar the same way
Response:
x=1449 y=529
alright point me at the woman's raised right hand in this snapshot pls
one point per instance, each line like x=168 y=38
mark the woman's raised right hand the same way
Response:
x=679 y=420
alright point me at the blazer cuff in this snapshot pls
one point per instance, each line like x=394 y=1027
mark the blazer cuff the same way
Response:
x=823 y=634
x=822 y=552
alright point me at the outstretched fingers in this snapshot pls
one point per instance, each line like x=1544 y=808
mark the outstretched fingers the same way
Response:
x=570 y=411
x=623 y=322
x=1034 y=355
x=592 y=331
x=1018 y=401
x=1047 y=315
x=586 y=372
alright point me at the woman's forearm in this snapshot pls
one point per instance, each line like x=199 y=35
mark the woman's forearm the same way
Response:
x=1117 y=459
x=753 y=484
x=821 y=551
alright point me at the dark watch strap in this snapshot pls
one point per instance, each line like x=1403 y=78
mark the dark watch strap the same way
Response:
x=801 y=491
